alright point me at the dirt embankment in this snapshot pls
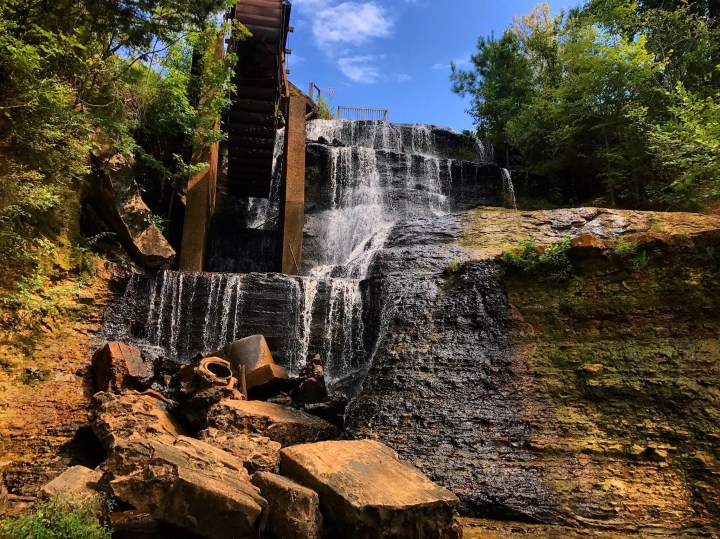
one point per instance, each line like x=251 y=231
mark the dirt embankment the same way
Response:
x=44 y=392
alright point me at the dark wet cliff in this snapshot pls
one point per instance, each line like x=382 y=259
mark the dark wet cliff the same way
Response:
x=592 y=400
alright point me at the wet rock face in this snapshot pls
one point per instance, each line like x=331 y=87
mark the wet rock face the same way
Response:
x=620 y=376
x=178 y=315
x=590 y=400
x=443 y=393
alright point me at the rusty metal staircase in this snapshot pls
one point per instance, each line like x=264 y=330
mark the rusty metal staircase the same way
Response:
x=261 y=84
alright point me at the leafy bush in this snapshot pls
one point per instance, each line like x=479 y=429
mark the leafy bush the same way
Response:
x=323 y=109
x=77 y=75
x=58 y=519
x=624 y=248
x=552 y=263
x=636 y=256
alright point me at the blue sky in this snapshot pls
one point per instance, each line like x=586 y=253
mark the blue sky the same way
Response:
x=395 y=54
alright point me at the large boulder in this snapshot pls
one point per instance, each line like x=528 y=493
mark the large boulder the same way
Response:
x=117 y=200
x=131 y=415
x=185 y=483
x=118 y=366
x=293 y=510
x=367 y=492
x=257 y=453
x=77 y=483
x=279 y=423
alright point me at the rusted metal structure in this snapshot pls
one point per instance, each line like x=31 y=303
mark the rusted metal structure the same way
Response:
x=200 y=197
x=262 y=100
x=261 y=92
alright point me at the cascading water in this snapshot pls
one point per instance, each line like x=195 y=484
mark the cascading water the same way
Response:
x=509 y=189
x=363 y=179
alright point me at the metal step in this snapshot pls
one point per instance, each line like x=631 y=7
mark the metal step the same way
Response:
x=242 y=82
x=250 y=142
x=253 y=105
x=235 y=152
x=252 y=118
x=248 y=92
x=250 y=130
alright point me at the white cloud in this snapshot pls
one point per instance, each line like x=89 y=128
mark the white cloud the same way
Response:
x=403 y=77
x=463 y=62
x=350 y=23
x=361 y=69
x=310 y=4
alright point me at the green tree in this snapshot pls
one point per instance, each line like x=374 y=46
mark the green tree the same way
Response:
x=575 y=98
x=78 y=74
x=687 y=149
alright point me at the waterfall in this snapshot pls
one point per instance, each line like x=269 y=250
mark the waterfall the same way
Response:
x=262 y=213
x=371 y=177
x=309 y=289
x=343 y=326
x=509 y=188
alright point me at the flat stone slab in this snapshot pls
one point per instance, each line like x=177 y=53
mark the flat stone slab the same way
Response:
x=282 y=424
x=76 y=483
x=367 y=492
x=185 y=483
x=293 y=510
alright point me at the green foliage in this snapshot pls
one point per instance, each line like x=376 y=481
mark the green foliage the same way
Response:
x=614 y=99
x=552 y=263
x=461 y=153
x=456 y=266
x=141 y=77
x=624 y=248
x=637 y=257
x=33 y=376
x=323 y=109
x=36 y=299
x=687 y=147
x=58 y=519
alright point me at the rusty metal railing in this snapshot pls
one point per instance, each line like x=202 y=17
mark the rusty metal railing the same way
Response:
x=362 y=113
x=311 y=92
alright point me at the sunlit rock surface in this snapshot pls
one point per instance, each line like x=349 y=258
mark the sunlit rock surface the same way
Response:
x=588 y=401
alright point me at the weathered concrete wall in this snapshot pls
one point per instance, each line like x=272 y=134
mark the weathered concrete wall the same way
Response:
x=292 y=208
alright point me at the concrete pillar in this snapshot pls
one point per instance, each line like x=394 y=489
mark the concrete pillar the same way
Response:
x=200 y=198
x=199 y=208
x=292 y=209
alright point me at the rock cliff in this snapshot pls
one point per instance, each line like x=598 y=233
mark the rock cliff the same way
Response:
x=590 y=400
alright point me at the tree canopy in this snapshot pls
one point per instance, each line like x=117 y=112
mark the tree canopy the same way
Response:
x=616 y=99
x=82 y=74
